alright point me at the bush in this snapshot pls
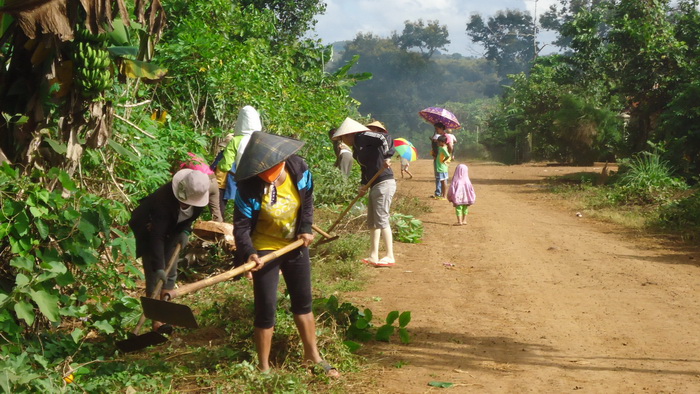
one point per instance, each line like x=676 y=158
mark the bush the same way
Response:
x=406 y=228
x=647 y=179
x=63 y=263
x=331 y=187
x=682 y=215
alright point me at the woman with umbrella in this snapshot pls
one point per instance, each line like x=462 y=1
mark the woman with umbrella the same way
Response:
x=274 y=206
x=441 y=119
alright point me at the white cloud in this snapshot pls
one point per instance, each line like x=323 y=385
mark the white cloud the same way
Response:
x=345 y=18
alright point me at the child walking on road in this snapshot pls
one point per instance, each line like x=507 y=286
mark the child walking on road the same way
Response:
x=404 y=167
x=461 y=193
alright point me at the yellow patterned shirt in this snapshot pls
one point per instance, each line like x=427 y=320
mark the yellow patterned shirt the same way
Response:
x=277 y=223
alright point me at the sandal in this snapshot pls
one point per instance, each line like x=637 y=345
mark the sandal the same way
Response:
x=368 y=261
x=385 y=262
x=328 y=370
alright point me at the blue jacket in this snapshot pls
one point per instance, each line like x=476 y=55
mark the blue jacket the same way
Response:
x=249 y=201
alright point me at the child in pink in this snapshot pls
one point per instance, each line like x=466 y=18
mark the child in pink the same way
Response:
x=461 y=193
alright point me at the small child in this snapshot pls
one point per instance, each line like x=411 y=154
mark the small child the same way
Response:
x=404 y=167
x=442 y=161
x=461 y=193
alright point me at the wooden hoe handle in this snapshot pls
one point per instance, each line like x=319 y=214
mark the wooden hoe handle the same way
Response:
x=224 y=276
x=345 y=212
x=159 y=285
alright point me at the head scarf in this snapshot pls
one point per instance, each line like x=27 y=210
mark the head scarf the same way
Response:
x=461 y=191
x=247 y=123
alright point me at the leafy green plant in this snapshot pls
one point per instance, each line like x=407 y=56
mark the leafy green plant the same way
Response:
x=331 y=186
x=682 y=215
x=406 y=228
x=385 y=331
x=358 y=323
x=64 y=261
x=647 y=178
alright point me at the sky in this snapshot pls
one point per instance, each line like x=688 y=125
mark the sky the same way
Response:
x=345 y=18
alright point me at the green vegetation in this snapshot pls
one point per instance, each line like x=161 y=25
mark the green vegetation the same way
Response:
x=406 y=228
x=95 y=110
x=643 y=195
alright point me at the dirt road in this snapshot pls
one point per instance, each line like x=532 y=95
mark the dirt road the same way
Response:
x=539 y=300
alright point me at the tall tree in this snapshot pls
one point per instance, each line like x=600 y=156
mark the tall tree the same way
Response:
x=427 y=38
x=645 y=59
x=508 y=39
x=558 y=16
x=294 y=17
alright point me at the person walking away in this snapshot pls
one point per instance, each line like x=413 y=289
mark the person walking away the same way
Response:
x=442 y=161
x=274 y=206
x=404 y=167
x=164 y=219
x=461 y=193
x=195 y=162
x=373 y=151
x=343 y=155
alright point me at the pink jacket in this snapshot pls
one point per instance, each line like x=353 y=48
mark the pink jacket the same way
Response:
x=196 y=163
x=461 y=191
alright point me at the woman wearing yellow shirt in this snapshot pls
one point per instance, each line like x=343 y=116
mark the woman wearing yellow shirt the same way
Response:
x=274 y=207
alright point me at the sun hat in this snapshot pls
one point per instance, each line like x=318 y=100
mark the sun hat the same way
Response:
x=191 y=187
x=378 y=125
x=349 y=126
x=263 y=152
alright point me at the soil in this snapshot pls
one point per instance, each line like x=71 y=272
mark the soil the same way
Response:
x=538 y=300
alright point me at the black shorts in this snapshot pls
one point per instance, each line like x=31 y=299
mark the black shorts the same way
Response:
x=296 y=269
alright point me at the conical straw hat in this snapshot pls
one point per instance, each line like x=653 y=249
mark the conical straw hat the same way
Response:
x=263 y=152
x=349 y=126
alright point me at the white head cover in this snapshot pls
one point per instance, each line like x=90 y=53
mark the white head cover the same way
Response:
x=248 y=122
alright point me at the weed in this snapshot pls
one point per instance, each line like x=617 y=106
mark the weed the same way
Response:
x=406 y=228
x=682 y=216
x=358 y=323
x=647 y=179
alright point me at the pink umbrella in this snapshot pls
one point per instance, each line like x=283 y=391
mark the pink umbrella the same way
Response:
x=436 y=114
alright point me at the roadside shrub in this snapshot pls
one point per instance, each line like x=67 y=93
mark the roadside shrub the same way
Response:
x=64 y=268
x=406 y=228
x=682 y=215
x=331 y=186
x=647 y=179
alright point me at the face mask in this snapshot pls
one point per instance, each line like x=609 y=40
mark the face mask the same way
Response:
x=272 y=174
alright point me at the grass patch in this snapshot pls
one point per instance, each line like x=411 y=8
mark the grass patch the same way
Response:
x=675 y=212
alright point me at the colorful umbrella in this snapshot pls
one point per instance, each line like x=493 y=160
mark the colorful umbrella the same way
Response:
x=436 y=114
x=405 y=149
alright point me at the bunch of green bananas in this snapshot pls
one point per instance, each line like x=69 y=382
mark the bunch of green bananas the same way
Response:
x=83 y=34
x=92 y=68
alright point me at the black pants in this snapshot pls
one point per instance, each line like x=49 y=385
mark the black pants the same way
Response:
x=296 y=269
x=148 y=271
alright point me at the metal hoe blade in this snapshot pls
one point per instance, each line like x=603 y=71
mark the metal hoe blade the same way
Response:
x=141 y=342
x=169 y=312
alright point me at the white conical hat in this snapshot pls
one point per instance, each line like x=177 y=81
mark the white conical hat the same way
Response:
x=349 y=126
